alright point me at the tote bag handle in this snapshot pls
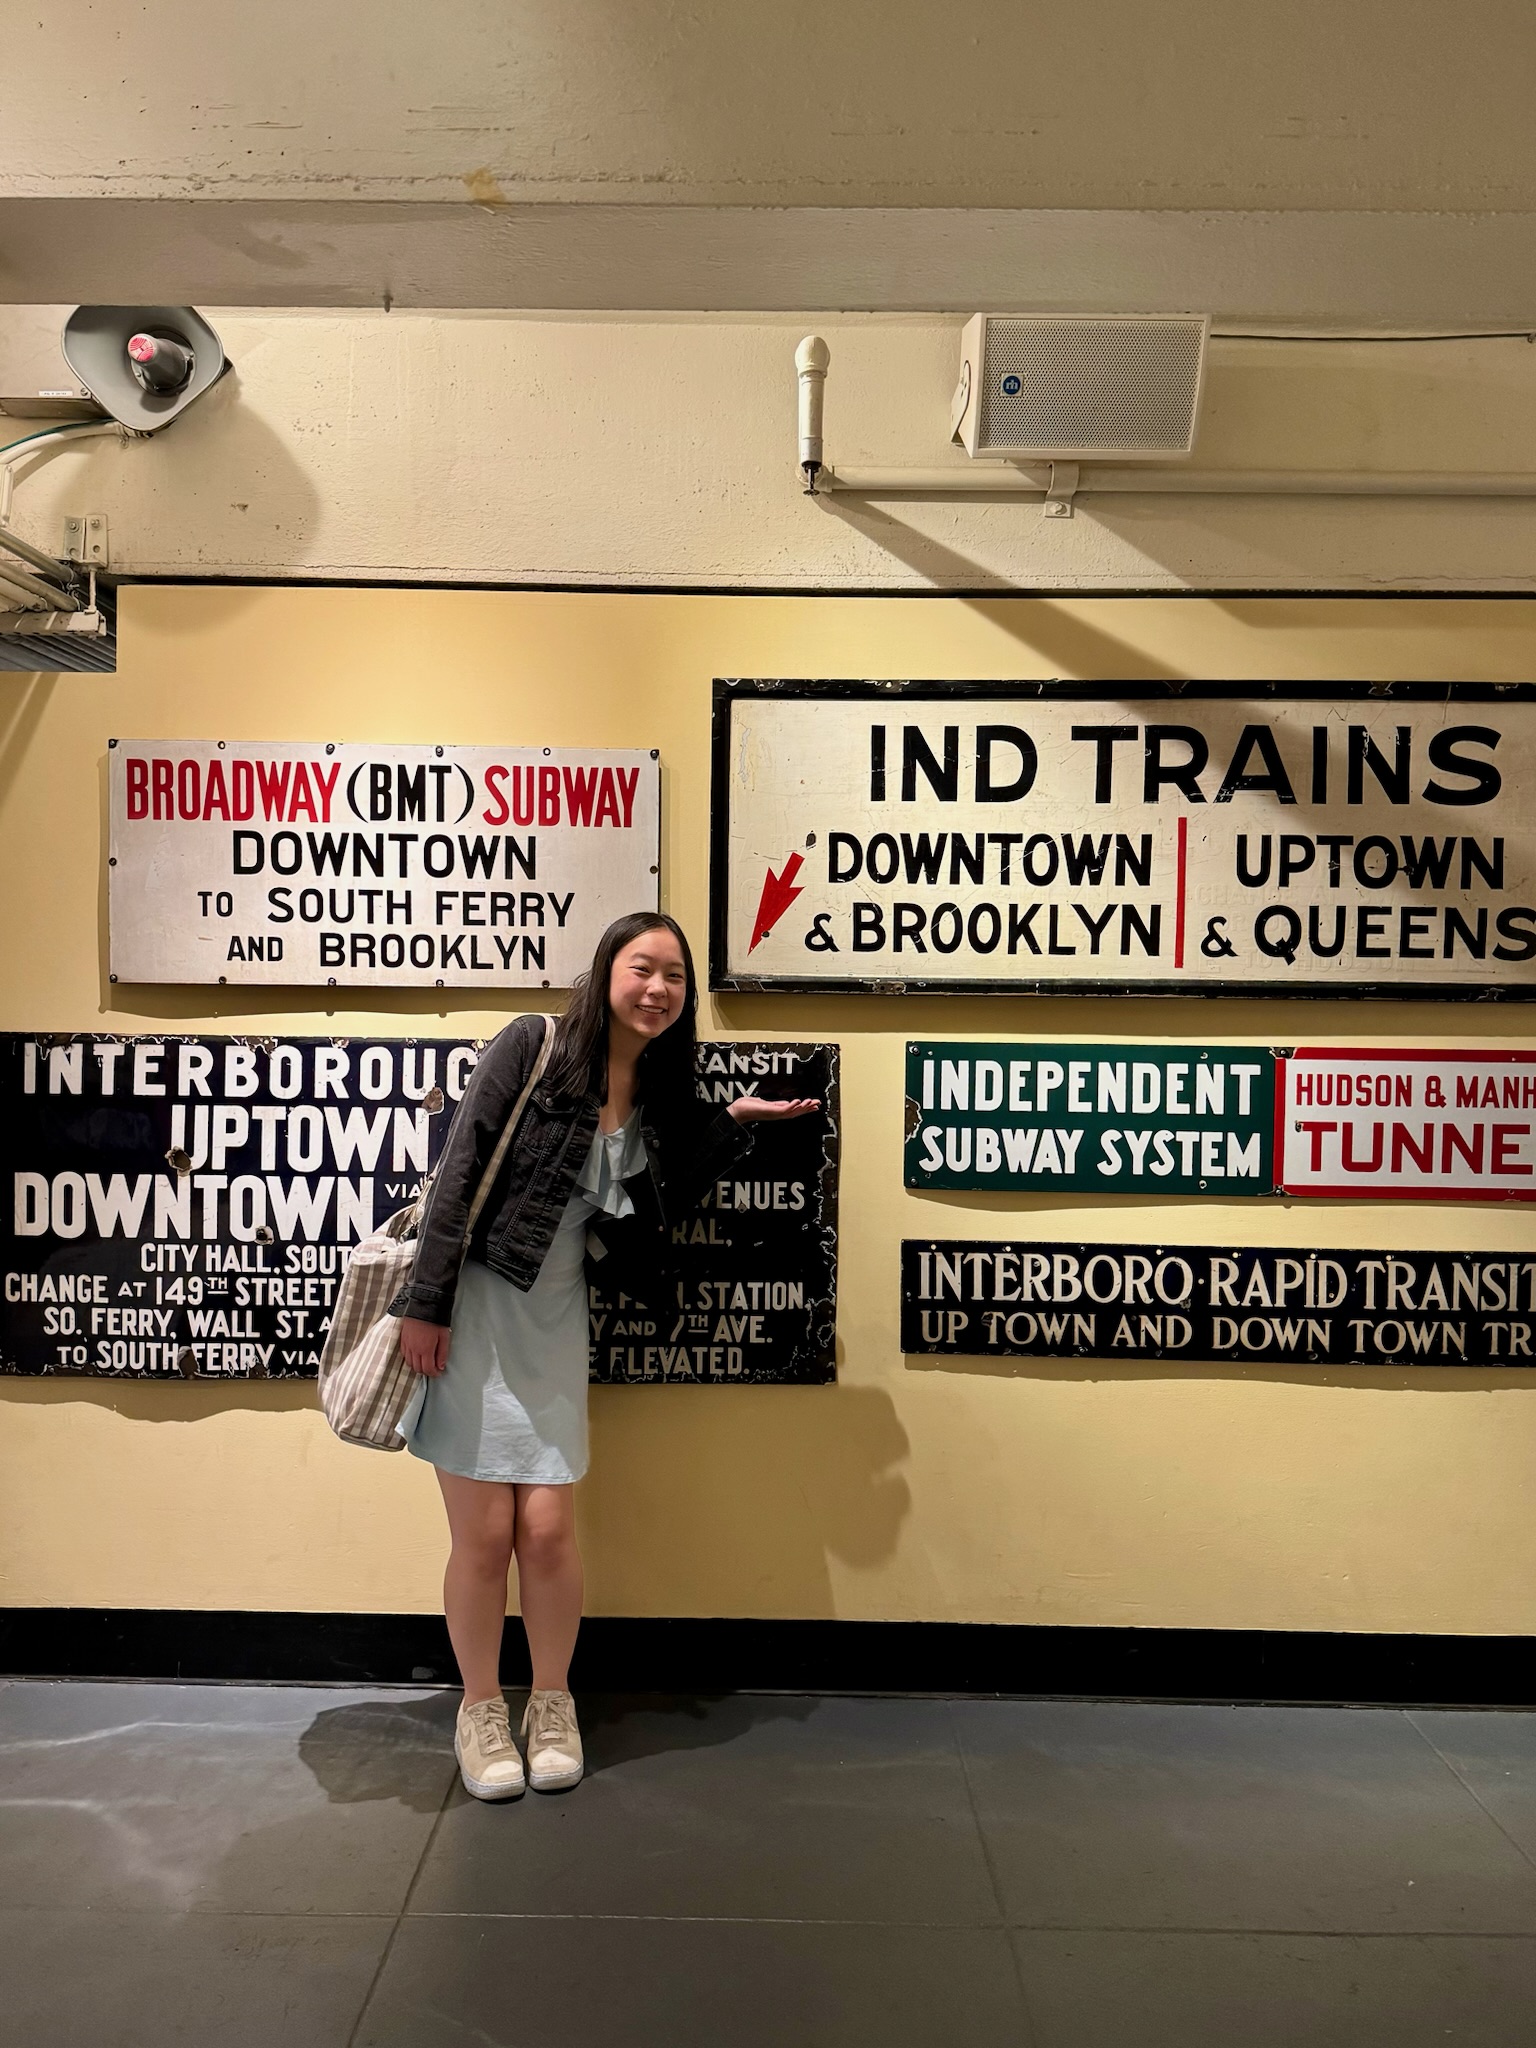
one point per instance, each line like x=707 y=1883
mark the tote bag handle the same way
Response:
x=503 y=1143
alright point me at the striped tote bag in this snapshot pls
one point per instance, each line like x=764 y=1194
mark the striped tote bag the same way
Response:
x=365 y=1383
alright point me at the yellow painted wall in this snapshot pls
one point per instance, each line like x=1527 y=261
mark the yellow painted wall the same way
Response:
x=1192 y=1496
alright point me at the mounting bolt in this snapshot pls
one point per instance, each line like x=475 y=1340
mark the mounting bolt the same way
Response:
x=1061 y=490
x=85 y=539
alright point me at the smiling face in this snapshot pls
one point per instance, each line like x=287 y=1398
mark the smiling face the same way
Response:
x=649 y=984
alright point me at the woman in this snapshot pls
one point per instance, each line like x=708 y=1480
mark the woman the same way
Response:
x=612 y=1147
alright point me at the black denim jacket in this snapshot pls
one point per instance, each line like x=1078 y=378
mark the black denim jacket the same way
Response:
x=518 y=1222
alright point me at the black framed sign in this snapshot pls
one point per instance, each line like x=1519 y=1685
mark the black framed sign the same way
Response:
x=184 y=1207
x=1245 y=1304
x=756 y=1302
x=1195 y=839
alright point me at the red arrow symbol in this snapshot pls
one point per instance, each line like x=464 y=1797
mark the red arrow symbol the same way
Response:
x=779 y=892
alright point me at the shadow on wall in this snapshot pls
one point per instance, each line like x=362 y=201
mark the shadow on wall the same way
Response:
x=217 y=492
x=846 y=1477
x=164 y=1401
x=779 y=1480
x=812 y=1474
x=1448 y=639
x=1461 y=1380
x=1232 y=1019
x=24 y=701
x=1076 y=647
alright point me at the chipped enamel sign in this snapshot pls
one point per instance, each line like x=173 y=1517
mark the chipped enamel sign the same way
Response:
x=1095 y=840
x=363 y=865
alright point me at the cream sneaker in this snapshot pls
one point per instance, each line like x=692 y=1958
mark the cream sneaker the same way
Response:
x=488 y=1760
x=554 y=1742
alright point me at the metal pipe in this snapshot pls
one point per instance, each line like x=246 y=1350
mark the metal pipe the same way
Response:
x=49 y=564
x=12 y=596
x=1011 y=480
x=43 y=593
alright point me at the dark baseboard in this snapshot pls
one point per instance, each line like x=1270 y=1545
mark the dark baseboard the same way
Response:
x=731 y=1655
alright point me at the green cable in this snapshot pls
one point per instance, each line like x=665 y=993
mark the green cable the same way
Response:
x=46 y=433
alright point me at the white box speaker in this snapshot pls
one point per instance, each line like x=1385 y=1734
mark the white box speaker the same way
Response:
x=1121 y=387
x=35 y=381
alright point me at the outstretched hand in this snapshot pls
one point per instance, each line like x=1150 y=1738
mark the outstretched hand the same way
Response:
x=755 y=1109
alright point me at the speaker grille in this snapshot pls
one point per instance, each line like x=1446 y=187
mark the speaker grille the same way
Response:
x=1091 y=386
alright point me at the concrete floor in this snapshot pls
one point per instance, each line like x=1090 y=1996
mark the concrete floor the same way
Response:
x=228 y=1866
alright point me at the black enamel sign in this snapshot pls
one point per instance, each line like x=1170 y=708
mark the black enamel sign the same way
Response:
x=1031 y=1299
x=181 y=1207
x=757 y=1299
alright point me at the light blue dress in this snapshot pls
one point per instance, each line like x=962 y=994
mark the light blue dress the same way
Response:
x=512 y=1404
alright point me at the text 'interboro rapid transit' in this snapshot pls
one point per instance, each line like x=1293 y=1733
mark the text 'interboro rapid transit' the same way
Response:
x=1024 y=1299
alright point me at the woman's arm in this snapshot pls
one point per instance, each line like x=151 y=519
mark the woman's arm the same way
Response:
x=756 y=1109
x=696 y=1158
x=477 y=1123
x=632 y=1252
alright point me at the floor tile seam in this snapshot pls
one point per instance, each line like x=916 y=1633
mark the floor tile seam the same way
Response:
x=1277 y=1933
x=998 y=1926
x=1030 y=2032
x=1008 y=1928
x=393 y=1935
x=1470 y=1790
x=111 y=1912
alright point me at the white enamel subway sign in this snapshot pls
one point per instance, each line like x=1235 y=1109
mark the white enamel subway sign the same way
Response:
x=354 y=865
x=1046 y=837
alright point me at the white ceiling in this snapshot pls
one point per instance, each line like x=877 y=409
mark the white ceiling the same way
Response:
x=1304 y=162
x=1406 y=271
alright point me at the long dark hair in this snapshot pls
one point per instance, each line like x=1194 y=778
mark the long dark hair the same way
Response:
x=578 y=1060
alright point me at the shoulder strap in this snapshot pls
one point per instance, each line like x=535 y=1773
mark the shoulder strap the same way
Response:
x=494 y=1164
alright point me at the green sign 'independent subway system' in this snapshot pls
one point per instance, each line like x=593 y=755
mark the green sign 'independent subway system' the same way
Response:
x=1113 y=1119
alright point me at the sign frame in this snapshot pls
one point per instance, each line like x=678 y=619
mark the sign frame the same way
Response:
x=1060 y=1302
x=490 y=871
x=729 y=690
x=1230 y=1179
x=126 y=1258
x=1436 y=1191
x=727 y=1069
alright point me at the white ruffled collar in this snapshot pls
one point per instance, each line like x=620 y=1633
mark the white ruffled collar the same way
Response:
x=612 y=1157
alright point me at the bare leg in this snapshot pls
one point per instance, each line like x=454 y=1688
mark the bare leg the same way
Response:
x=549 y=1580
x=481 y=1516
